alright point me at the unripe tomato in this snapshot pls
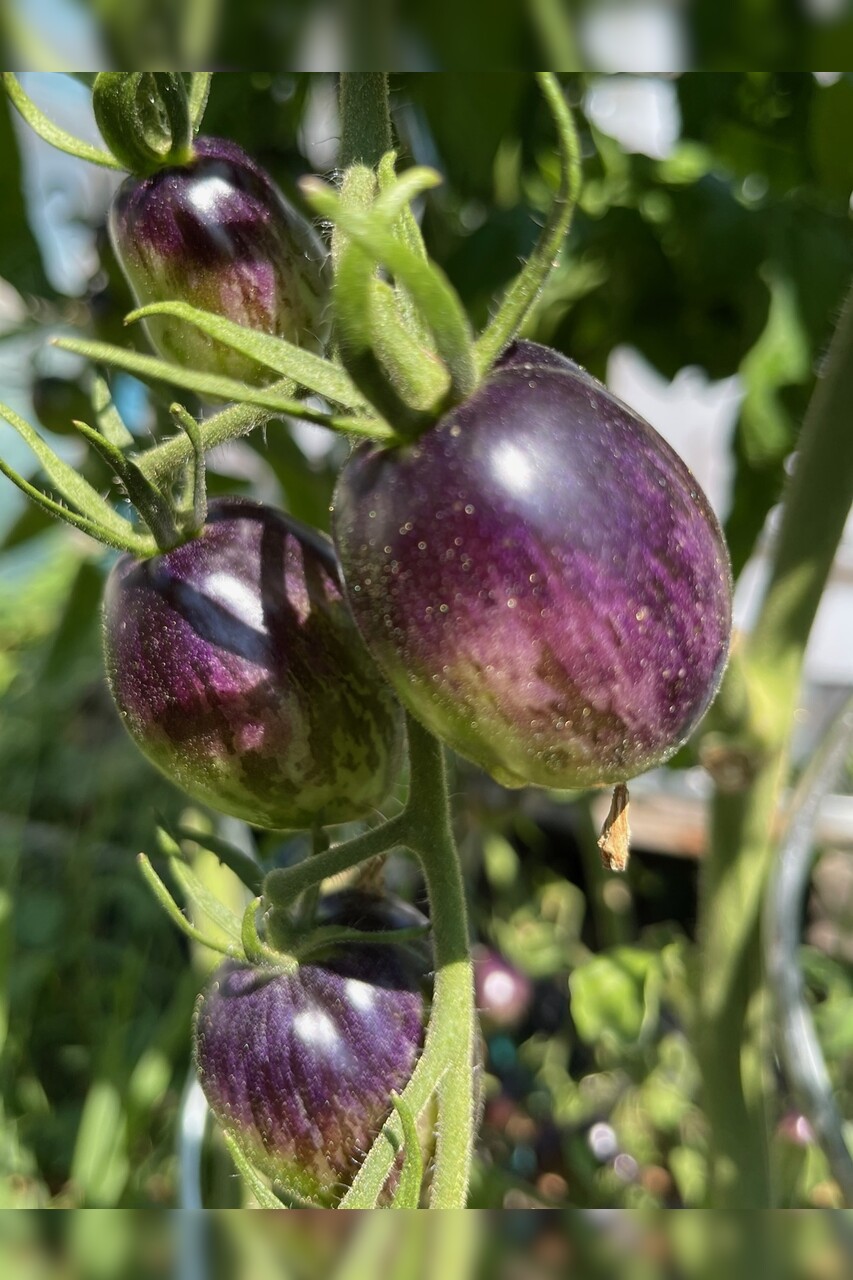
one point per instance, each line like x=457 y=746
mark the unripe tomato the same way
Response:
x=300 y=1066
x=236 y=667
x=220 y=235
x=541 y=579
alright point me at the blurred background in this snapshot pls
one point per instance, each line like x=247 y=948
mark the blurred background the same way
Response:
x=428 y=35
x=704 y=271
x=514 y=1245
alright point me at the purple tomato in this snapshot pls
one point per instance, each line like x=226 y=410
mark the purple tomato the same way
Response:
x=300 y=1066
x=236 y=667
x=219 y=234
x=541 y=579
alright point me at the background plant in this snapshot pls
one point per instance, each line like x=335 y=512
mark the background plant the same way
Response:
x=747 y=283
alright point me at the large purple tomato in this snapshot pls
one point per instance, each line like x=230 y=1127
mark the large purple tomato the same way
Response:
x=540 y=578
x=218 y=234
x=299 y=1066
x=236 y=667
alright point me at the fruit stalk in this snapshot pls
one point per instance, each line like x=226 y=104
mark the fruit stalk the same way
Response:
x=447 y=1065
x=733 y=1024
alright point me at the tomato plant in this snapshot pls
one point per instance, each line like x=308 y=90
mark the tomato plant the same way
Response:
x=521 y=570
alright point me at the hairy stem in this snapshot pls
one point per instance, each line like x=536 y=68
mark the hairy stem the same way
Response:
x=446 y=1066
x=733 y=1037
x=365 y=122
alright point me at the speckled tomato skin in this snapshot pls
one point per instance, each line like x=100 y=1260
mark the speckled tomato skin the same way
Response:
x=523 y=353
x=541 y=580
x=236 y=667
x=219 y=235
x=300 y=1067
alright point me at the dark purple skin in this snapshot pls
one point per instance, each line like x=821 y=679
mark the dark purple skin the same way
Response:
x=502 y=993
x=541 y=580
x=300 y=1066
x=219 y=235
x=236 y=667
x=526 y=354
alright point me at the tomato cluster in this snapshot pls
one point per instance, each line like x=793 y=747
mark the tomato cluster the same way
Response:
x=537 y=578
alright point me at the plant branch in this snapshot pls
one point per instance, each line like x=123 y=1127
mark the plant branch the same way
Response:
x=799 y=1048
x=446 y=1065
x=732 y=1057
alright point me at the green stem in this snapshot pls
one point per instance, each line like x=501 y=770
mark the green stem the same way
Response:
x=284 y=885
x=733 y=1037
x=446 y=1065
x=453 y=1010
x=365 y=122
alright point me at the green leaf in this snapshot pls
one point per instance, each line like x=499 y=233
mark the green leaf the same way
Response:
x=110 y=422
x=68 y=482
x=306 y=369
x=528 y=284
x=208 y=384
x=244 y=867
x=223 y=917
x=173 y=911
x=420 y=375
x=198 y=93
x=45 y=127
x=194 y=499
x=408 y=1192
x=254 y=947
x=263 y=1195
x=149 y=502
x=355 y=296
x=132 y=541
x=430 y=289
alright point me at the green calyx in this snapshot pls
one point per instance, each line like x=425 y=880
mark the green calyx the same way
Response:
x=145 y=118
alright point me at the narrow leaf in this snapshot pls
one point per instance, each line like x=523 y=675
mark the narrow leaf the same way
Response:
x=408 y=1192
x=194 y=501
x=149 y=502
x=132 y=541
x=198 y=93
x=208 y=384
x=45 y=127
x=399 y=194
x=306 y=369
x=415 y=368
x=173 y=911
x=110 y=422
x=528 y=284
x=407 y=231
x=254 y=947
x=223 y=917
x=430 y=289
x=67 y=479
x=262 y=1194
x=354 y=296
x=244 y=867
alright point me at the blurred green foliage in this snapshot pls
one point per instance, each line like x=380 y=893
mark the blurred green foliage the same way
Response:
x=731 y=254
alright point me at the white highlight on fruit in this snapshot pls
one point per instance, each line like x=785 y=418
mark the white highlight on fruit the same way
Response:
x=237 y=597
x=316 y=1028
x=207 y=192
x=360 y=994
x=513 y=469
